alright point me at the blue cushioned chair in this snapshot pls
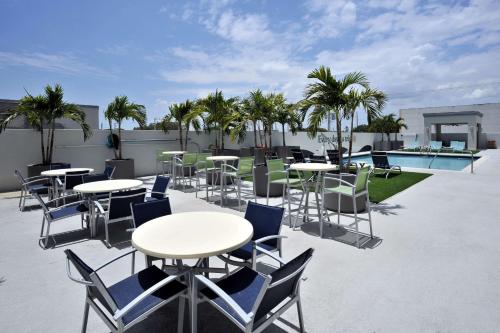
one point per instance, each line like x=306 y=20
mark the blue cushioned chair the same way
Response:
x=71 y=179
x=97 y=178
x=109 y=171
x=143 y=212
x=159 y=190
x=251 y=300
x=30 y=186
x=60 y=212
x=266 y=222
x=119 y=207
x=128 y=301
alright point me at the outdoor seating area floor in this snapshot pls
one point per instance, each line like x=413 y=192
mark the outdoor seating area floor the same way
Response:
x=433 y=266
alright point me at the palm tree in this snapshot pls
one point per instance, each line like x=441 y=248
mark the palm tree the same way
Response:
x=286 y=114
x=371 y=100
x=253 y=107
x=121 y=109
x=41 y=113
x=183 y=114
x=326 y=95
x=397 y=124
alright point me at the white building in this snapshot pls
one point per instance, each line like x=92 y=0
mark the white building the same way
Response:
x=476 y=124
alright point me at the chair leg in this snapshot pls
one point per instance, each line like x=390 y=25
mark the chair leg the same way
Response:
x=85 y=317
x=289 y=206
x=301 y=318
x=47 y=235
x=356 y=219
x=194 y=304
x=298 y=211
x=267 y=196
x=43 y=225
x=338 y=208
x=239 y=194
x=369 y=209
x=108 y=244
x=133 y=264
x=180 y=320
x=21 y=198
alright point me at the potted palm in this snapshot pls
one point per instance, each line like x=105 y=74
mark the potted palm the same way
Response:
x=118 y=110
x=41 y=113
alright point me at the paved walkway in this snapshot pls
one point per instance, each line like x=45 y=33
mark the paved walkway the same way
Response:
x=434 y=267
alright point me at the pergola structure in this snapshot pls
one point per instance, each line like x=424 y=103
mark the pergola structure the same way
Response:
x=470 y=118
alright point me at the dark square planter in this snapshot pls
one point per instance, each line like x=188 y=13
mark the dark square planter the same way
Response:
x=124 y=169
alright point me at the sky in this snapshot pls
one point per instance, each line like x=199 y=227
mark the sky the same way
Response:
x=420 y=53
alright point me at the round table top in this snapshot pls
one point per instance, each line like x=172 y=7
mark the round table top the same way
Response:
x=62 y=172
x=108 y=185
x=192 y=235
x=174 y=152
x=313 y=167
x=222 y=158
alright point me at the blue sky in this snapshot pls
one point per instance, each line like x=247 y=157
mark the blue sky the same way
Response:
x=421 y=53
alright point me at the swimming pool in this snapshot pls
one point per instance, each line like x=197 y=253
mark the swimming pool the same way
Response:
x=421 y=161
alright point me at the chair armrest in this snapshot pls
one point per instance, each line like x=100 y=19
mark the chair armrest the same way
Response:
x=226 y=298
x=340 y=180
x=156 y=192
x=120 y=313
x=99 y=207
x=29 y=179
x=62 y=198
x=34 y=181
x=272 y=255
x=276 y=171
x=66 y=205
x=72 y=278
x=115 y=259
x=230 y=166
x=263 y=239
x=59 y=182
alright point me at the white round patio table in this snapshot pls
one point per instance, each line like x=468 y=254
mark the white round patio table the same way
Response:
x=62 y=172
x=173 y=154
x=103 y=186
x=224 y=159
x=192 y=235
x=320 y=169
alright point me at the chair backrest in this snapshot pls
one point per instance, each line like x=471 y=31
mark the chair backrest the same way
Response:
x=60 y=165
x=333 y=155
x=266 y=221
x=203 y=162
x=119 y=202
x=380 y=160
x=436 y=144
x=298 y=155
x=42 y=203
x=109 y=171
x=95 y=286
x=160 y=157
x=245 y=165
x=365 y=148
x=457 y=145
x=284 y=283
x=143 y=212
x=19 y=176
x=276 y=165
x=362 y=178
x=318 y=159
x=190 y=158
x=160 y=186
x=73 y=178
x=94 y=177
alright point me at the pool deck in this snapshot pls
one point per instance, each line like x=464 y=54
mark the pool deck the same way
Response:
x=433 y=267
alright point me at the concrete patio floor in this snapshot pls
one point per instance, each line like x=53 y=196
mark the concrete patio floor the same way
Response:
x=434 y=266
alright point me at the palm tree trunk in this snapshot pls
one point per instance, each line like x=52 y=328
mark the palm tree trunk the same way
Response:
x=51 y=145
x=222 y=139
x=339 y=138
x=119 y=140
x=42 y=143
x=112 y=140
x=350 y=138
x=186 y=137
x=180 y=134
x=283 y=128
x=255 y=133
x=270 y=137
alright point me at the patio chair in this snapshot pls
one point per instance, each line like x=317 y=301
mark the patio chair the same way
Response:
x=109 y=171
x=60 y=165
x=266 y=222
x=276 y=174
x=162 y=159
x=89 y=178
x=344 y=188
x=298 y=156
x=184 y=165
x=51 y=215
x=245 y=169
x=206 y=169
x=118 y=207
x=71 y=179
x=31 y=186
x=253 y=301
x=129 y=301
x=159 y=190
x=365 y=148
x=143 y=212
x=457 y=146
x=380 y=161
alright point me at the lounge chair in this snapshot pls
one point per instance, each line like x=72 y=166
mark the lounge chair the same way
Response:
x=436 y=145
x=457 y=146
x=380 y=161
x=413 y=146
x=365 y=148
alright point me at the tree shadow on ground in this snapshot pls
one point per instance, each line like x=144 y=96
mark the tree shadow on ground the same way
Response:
x=386 y=209
x=341 y=234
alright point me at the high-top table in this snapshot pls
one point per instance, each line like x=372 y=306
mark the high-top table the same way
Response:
x=60 y=173
x=103 y=186
x=173 y=154
x=319 y=169
x=223 y=159
x=192 y=235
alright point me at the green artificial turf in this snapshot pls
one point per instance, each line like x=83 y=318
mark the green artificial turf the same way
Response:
x=381 y=188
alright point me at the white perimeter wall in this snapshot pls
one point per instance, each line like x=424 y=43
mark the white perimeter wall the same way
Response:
x=20 y=147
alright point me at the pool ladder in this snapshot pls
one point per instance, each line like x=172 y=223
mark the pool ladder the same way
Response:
x=468 y=151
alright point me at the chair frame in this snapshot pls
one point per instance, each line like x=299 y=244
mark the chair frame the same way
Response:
x=239 y=178
x=204 y=171
x=114 y=320
x=354 y=196
x=47 y=211
x=25 y=182
x=105 y=212
x=248 y=318
x=386 y=171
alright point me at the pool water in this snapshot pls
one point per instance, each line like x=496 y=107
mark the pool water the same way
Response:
x=421 y=161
